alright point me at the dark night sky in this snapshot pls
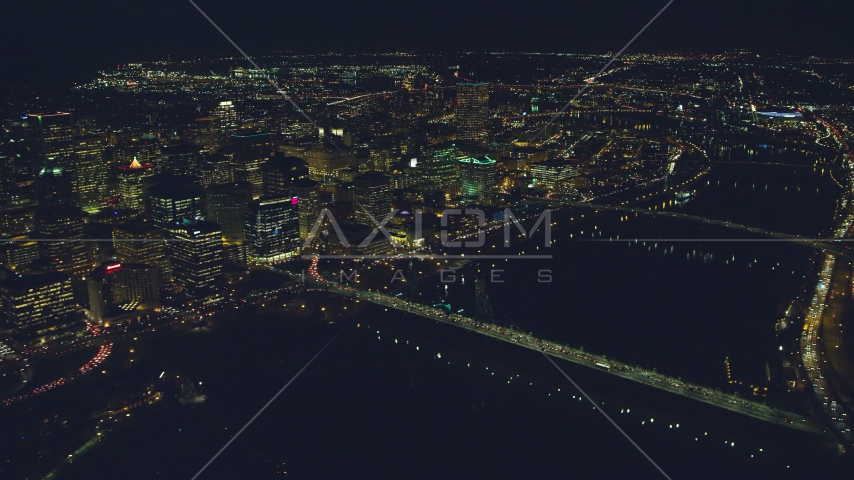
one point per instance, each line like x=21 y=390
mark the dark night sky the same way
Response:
x=50 y=42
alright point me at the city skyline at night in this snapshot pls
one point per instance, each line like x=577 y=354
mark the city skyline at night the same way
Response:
x=461 y=240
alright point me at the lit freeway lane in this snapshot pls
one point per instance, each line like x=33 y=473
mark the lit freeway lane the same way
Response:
x=821 y=313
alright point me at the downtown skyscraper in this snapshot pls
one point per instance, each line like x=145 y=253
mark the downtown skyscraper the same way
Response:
x=477 y=177
x=438 y=166
x=51 y=134
x=472 y=111
x=272 y=229
x=226 y=118
x=307 y=194
x=89 y=171
x=59 y=221
x=197 y=259
x=227 y=204
x=132 y=182
x=371 y=198
x=37 y=306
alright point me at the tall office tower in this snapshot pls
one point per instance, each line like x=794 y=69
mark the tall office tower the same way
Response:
x=216 y=169
x=37 y=306
x=58 y=220
x=478 y=177
x=279 y=172
x=325 y=162
x=472 y=113
x=226 y=118
x=371 y=198
x=171 y=201
x=227 y=204
x=89 y=171
x=249 y=170
x=437 y=166
x=272 y=229
x=50 y=134
x=204 y=133
x=118 y=288
x=180 y=159
x=137 y=241
x=307 y=193
x=249 y=153
x=197 y=259
x=7 y=173
x=132 y=183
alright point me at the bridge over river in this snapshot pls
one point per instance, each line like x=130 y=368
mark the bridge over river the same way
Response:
x=654 y=379
x=836 y=244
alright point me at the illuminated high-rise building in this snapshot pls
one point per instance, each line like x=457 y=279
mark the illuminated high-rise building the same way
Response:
x=226 y=118
x=248 y=153
x=37 y=306
x=7 y=172
x=437 y=166
x=371 y=198
x=472 y=111
x=216 y=169
x=132 y=184
x=170 y=201
x=136 y=241
x=117 y=288
x=478 y=177
x=59 y=221
x=307 y=192
x=204 y=133
x=227 y=204
x=89 y=171
x=197 y=259
x=249 y=170
x=272 y=229
x=51 y=134
x=325 y=162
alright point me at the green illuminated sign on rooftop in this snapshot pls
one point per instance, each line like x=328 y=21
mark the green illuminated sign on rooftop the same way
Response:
x=484 y=160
